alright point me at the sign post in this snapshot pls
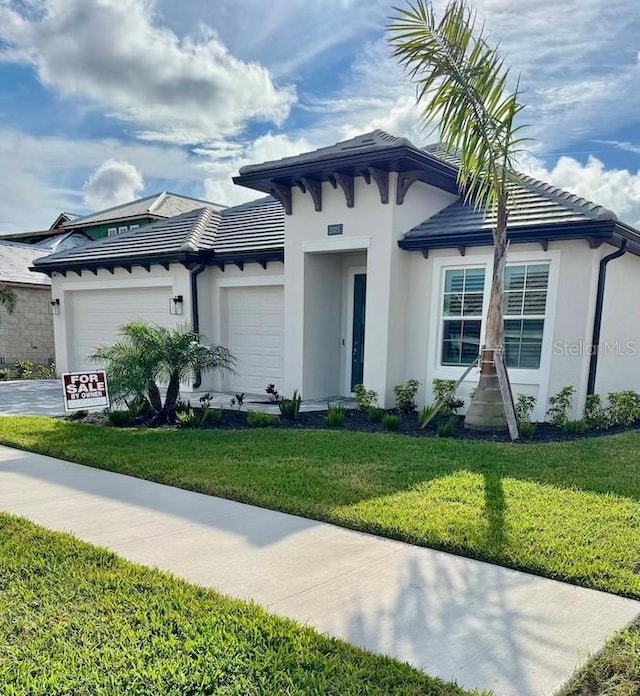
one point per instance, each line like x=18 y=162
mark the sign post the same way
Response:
x=85 y=390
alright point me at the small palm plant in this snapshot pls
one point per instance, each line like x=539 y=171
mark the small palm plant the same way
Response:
x=7 y=298
x=148 y=356
x=462 y=84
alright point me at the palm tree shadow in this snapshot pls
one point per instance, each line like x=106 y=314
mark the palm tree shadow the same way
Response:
x=495 y=509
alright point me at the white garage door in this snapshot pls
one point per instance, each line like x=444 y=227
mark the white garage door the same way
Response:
x=97 y=315
x=254 y=334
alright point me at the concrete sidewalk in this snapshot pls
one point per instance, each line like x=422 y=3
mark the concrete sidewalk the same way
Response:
x=484 y=626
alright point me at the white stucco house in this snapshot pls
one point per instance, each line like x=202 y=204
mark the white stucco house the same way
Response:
x=363 y=265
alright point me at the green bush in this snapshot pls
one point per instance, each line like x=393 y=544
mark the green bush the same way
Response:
x=366 y=399
x=445 y=396
x=405 y=395
x=211 y=416
x=5 y=374
x=376 y=415
x=335 y=416
x=45 y=372
x=427 y=414
x=187 y=420
x=290 y=408
x=79 y=415
x=560 y=406
x=624 y=407
x=527 y=429
x=25 y=368
x=596 y=416
x=525 y=403
x=119 y=419
x=391 y=421
x=575 y=427
x=260 y=419
x=448 y=427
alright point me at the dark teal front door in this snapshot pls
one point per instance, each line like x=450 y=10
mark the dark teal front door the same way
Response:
x=357 y=348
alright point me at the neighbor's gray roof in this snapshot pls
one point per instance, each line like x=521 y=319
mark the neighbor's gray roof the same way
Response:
x=533 y=203
x=160 y=205
x=375 y=141
x=251 y=227
x=15 y=260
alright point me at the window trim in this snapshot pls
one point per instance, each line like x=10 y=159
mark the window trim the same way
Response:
x=112 y=231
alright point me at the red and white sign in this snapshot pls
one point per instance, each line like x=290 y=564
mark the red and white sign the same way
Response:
x=85 y=390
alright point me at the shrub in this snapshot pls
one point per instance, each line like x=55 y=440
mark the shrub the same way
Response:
x=525 y=403
x=119 y=419
x=211 y=416
x=272 y=392
x=624 y=407
x=391 y=421
x=5 y=374
x=575 y=427
x=366 y=399
x=596 y=415
x=560 y=406
x=527 y=429
x=187 y=420
x=182 y=406
x=376 y=415
x=45 y=372
x=238 y=400
x=445 y=397
x=79 y=415
x=427 y=414
x=25 y=368
x=405 y=395
x=290 y=408
x=335 y=416
x=448 y=427
x=260 y=419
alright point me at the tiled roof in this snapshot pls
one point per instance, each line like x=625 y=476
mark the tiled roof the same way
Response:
x=15 y=260
x=376 y=141
x=533 y=203
x=161 y=205
x=251 y=227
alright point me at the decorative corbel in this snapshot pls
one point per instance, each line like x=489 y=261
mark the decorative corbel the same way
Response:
x=240 y=265
x=462 y=250
x=593 y=243
x=381 y=177
x=315 y=189
x=283 y=194
x=425 y=253
x=346 y=184
x=366 y=175
x=405 y=179
x=544 y=243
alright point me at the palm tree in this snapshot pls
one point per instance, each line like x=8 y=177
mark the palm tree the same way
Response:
x=462 y=84
x=149 y=355
x=7 y=298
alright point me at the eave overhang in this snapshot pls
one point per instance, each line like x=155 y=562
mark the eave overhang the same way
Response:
x=596 y=232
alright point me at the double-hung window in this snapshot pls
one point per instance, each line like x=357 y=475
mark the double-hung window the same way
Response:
x=525 y=303
x=462 y=315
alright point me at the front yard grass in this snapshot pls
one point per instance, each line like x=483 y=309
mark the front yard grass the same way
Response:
x=569 y=511
x=77 y=620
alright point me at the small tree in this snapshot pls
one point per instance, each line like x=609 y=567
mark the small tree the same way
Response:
x=7 y=298
x=148 y=356
x=462 y=84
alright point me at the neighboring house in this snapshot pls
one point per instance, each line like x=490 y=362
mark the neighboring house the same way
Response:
x=40 y=236
x=386 y=278
x=27 y=333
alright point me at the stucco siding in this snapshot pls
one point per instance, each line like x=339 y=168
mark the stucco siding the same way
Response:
x=27 y=334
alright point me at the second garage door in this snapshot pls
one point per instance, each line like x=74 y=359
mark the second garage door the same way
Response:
x=97 y=315
x=254 y=333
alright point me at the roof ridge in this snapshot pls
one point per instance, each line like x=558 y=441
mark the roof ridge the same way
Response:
x=80 y=218
x=190 y=242
x=160 y=197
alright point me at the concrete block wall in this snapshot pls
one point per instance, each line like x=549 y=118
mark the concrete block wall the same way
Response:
x=27 y=334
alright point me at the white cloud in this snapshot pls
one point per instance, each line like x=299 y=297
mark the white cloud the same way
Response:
x=616 y=189
x=112 y=183
x=115 y=54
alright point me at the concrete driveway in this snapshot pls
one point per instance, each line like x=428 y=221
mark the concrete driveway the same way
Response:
x=31 y=397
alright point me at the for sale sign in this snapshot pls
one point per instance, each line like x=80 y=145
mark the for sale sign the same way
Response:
x=85 y=390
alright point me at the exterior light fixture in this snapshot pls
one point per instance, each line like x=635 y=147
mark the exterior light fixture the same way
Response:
x=175 y=304
x=54 y=307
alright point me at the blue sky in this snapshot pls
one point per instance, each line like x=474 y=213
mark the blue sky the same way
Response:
x=105 y=100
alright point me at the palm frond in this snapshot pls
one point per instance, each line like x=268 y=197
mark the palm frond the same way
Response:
x=462 y=84
x=7 y=298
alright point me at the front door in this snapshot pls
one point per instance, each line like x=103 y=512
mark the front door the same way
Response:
x=357 y=349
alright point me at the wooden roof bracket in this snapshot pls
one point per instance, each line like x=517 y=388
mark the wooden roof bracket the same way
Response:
x=381 y=177
x=405 y=180
x=315 y=189
x=282 y=193
x=346 y=184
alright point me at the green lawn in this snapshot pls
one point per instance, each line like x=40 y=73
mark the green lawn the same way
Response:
x=78 y=621
x=569 y=511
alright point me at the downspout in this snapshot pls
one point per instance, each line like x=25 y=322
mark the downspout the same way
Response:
x=195 y=316
x=597 y=318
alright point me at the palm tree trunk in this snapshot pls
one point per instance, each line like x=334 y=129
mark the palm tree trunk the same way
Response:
x=168 y=413
x=487 y=408
x=155 y=400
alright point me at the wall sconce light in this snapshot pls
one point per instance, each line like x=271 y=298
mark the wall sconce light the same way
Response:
x=54 y=307
x=175 y=304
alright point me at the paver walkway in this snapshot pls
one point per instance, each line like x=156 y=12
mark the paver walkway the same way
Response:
x=484 y=626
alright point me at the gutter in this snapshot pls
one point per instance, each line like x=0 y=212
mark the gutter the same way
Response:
x=597 y=318
x=195 y=316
